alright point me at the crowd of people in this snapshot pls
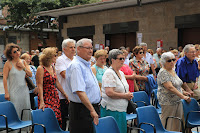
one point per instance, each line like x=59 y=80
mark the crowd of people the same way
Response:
x=83 y=87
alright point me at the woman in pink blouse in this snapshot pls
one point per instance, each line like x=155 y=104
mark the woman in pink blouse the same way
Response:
x=140 y=66
x=129 y=74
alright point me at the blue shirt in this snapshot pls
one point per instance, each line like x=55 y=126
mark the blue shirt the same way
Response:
x=79 y=77
x=33 y=70
x=186 y=70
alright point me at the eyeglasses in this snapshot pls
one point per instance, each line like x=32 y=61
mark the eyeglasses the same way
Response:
x=197 y=49
x=141 y=52
x=89 y=48
x=72 y=47
x=170 y=60
x=121 y=58
x=56 y=55
x=15 y=51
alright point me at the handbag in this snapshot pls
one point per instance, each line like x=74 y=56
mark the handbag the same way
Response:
x=131 y=108
x=30 y=84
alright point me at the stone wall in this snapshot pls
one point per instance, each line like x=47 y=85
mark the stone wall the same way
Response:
x=156 y=21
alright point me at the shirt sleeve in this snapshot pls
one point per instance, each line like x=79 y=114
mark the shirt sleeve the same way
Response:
x=181 y=71
x=77 y=80
x=109 y=80
x=164 y=77
x=59 y=66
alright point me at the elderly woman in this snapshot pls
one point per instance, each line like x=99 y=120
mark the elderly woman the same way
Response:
x=170 y=92
x=140 y=66
x=27 y=58
x=115 y=90
x=14 y=73
x=47 y=82
x=99 y=67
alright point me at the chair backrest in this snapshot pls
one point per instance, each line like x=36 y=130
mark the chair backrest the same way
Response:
x=2 y=98
x=156 y=98
x=47 y=118
x=192 y=106
x=107 y=125
x=36 y=102
x=141 y=96
x=148 y=114
x=7 y=108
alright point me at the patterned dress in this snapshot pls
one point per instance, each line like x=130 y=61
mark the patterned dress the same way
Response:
x=50 y=94
x=141 y=68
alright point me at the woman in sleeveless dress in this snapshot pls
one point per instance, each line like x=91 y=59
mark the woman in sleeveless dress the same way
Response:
x=47 y=82
x=99 y=67
x=15 y=87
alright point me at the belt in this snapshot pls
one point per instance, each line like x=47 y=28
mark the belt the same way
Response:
x=81 y=104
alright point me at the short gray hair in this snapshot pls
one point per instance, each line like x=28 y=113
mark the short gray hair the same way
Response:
x=165 y=56
x=187 y=47
x=66 y=41
x=143 y=44
x=113 y=54
x=158 y=49
x=82 y=41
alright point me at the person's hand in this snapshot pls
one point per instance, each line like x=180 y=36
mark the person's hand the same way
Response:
x=35 y=91
x=20 y=64
x=191 y=93
x=129 y=95
x=42 y=106
x=195 y=86
x=67 y=97
x=7 y=96
x=95 y=117
x=186 y=93
x=187 y=99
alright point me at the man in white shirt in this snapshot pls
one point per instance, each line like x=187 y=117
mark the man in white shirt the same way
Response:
x=148 y=57
x=68 y=48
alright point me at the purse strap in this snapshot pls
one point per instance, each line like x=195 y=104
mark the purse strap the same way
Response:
x=119 y=79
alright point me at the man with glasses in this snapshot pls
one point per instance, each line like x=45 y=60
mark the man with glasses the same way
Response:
x=187 y=70
x=83 y=90
x=68 y=48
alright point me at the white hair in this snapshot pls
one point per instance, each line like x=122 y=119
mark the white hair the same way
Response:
x=143 y=44
x=187 y=47
x=66 y=41
x=158 y=49
x=165 y=56
x=82 y=41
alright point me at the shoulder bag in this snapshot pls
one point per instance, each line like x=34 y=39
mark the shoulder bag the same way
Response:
x=131 y=108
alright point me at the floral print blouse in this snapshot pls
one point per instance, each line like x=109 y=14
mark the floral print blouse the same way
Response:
x=141 y=68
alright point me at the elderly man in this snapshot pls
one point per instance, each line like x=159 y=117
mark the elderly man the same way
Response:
x=68 y=48
x=157 y=56
x=148 y=57
x=83 y=90
x=187 y=70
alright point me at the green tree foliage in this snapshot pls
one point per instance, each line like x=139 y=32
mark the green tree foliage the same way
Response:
x=24 y=13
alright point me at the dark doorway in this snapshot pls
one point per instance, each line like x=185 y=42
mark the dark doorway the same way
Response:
x=121 y=39
x=188 y=36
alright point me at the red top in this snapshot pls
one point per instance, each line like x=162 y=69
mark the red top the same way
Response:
x=128 y=71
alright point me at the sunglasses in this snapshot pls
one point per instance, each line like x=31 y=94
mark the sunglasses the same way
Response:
x=15 y=51
x=141 y=52
x=121 y=58
x=170 y=60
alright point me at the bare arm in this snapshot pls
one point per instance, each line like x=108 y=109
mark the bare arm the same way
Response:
x=83 y=97
x=117 y=95
x=63 y=74
x=186 y=88
x=6 y=71
x=94 y=70
x=168 y=85
x=131 y=77
x=139 y=77
x=153 y=70
x=59 y=87
x=39 y=80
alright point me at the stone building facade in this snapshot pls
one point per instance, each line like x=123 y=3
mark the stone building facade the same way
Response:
x=175 y=22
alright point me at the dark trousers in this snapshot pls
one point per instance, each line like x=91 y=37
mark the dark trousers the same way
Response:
x=64 y=112
x=80 y=120
x=32 y=95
